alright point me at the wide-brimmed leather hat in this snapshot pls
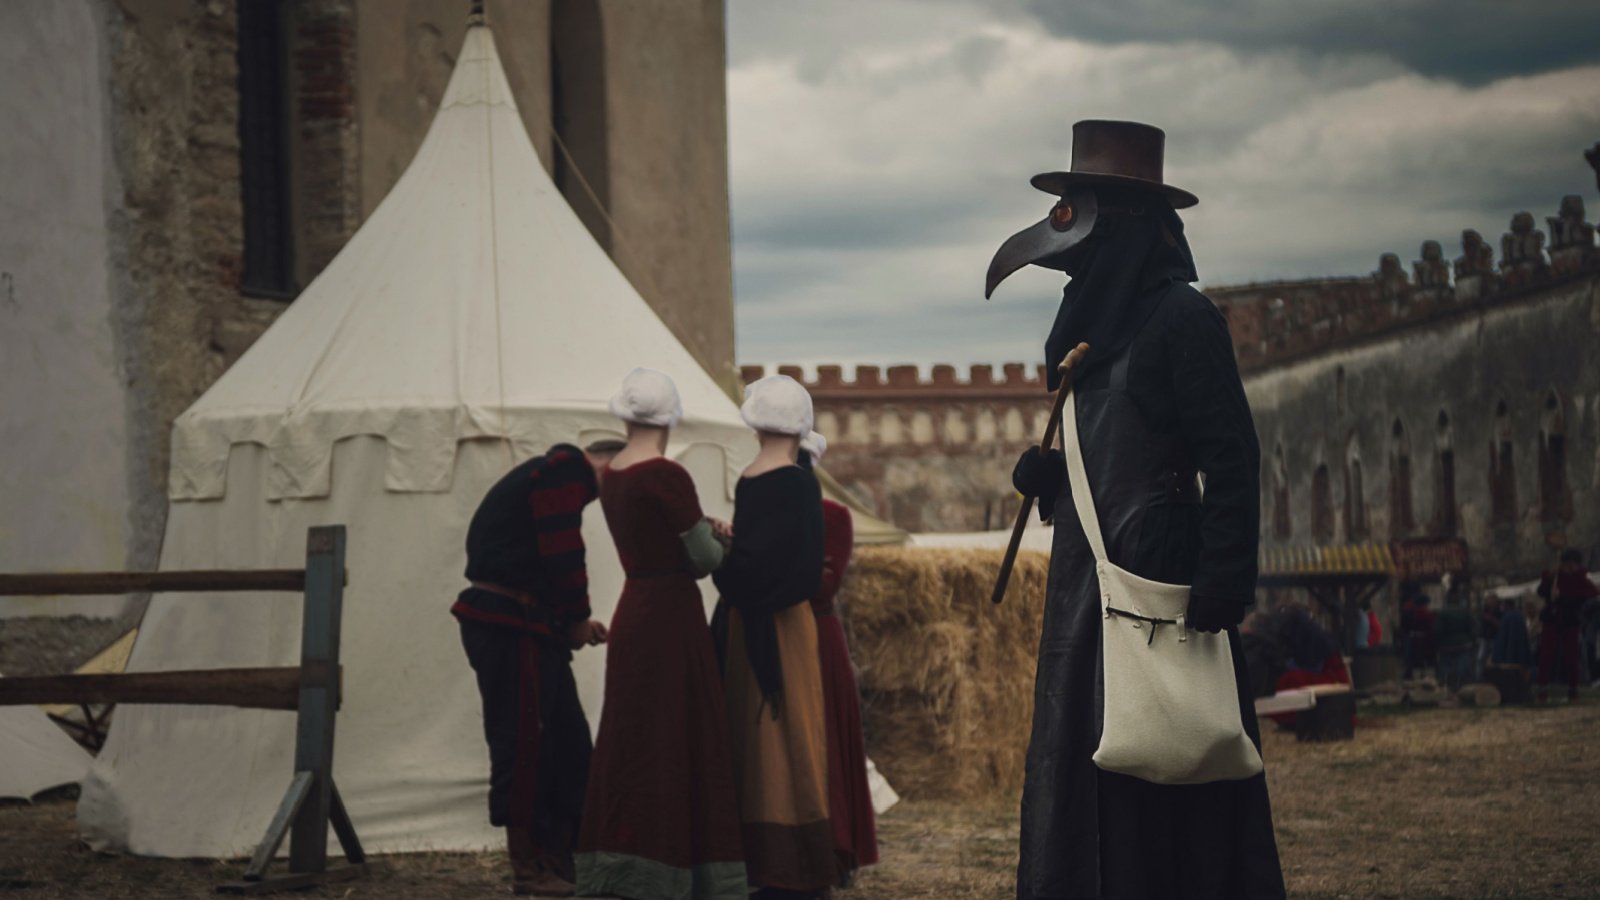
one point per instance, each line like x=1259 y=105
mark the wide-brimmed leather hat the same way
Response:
x=1116 y=153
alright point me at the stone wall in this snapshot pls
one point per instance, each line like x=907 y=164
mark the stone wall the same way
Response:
x=1465 y=406
x=928 y=454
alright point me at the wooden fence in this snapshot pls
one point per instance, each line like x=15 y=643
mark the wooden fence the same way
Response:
x=311 y=805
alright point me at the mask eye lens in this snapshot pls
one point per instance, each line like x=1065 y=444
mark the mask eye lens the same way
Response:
x=1062 y=217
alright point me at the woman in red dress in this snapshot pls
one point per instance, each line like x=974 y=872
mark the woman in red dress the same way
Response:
x=661 y=819
x=855 y=839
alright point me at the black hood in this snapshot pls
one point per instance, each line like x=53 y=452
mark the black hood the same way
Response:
x=1115 y=279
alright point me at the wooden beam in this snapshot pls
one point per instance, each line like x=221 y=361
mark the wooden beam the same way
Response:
x=112 y=583
x=299 y=788
x=259 y=688
x=339 y=818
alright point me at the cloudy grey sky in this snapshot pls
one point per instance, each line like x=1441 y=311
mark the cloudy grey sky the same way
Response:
x=881 y=148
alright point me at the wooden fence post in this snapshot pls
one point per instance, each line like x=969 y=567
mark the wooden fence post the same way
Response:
x=319 y=695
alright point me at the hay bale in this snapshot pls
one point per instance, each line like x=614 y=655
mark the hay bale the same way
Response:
x=946 y=676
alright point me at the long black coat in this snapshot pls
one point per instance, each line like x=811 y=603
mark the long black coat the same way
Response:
x=1168 y=405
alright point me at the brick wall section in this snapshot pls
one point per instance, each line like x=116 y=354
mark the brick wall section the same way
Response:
x=929 y=454
x=328 y=155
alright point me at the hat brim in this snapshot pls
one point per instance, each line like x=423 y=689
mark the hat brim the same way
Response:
x=1058 y=183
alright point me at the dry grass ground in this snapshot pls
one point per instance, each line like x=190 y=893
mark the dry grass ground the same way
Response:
x=1441 y=803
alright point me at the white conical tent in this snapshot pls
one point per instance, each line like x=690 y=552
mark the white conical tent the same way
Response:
x=471 y=322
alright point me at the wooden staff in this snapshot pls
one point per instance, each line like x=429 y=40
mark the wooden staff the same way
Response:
x=1073 y=357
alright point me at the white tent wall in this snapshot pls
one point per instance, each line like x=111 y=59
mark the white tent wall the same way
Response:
x=470 y=323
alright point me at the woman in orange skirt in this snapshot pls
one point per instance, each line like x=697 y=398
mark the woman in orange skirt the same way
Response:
x=772 y=671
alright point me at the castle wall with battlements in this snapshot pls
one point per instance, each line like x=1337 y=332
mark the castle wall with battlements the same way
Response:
x=1461 y=399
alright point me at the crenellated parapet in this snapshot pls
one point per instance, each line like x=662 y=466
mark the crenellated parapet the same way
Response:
x=906 y=382
x=939 y=414
x=1275 y=322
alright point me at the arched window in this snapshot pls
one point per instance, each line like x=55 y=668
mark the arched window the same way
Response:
x=1355 y=498
x=1502 y=469
x=1322 y=505
x=1282 y=524
x=1444 y=487
x=1555 y=500
x=1401 y=518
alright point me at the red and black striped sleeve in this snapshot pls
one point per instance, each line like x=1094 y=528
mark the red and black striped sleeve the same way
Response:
x=562 y=487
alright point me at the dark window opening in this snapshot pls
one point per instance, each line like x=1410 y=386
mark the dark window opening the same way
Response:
x=1400 y=514
x=1555 y=499
x=1355 y=504
x=268 y=259
x=1502 y=470
x=1282 y=524
x=1322 y=505
x=1444 y=509
x=1401 y=517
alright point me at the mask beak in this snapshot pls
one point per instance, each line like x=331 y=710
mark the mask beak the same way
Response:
x=1067 y=225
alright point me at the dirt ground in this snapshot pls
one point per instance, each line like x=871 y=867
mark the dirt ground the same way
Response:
x=1437 y=803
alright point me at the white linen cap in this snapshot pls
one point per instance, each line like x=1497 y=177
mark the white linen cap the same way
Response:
x=815 y=445
x=779 y=404
x=647 y=397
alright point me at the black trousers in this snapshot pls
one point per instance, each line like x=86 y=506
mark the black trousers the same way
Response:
x=538 y=736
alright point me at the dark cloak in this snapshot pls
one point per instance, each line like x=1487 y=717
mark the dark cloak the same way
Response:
x=1161 y=400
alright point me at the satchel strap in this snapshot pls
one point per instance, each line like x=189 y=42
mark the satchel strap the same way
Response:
x=1082 y=499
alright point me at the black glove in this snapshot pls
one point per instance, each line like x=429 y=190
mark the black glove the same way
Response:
x=1213 y=614
x=1039 y=475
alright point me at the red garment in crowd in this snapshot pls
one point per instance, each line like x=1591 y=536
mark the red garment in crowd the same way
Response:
x=1558 y=641
x=662 y=816
x=855 y=838
x=1559 y=644
x=1374 y=631
x=1333 y=672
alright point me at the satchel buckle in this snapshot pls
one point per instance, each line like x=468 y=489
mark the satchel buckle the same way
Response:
x=1183 y=630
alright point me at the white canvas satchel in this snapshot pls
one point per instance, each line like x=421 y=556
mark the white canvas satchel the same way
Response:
x=1171 y=703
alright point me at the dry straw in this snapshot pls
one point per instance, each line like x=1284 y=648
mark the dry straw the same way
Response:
x=946 y=676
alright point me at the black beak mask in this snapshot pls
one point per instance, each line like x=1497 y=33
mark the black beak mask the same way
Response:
x=1050 y=243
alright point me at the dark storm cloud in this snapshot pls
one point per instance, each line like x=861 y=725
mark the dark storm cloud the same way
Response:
x=1472 y=41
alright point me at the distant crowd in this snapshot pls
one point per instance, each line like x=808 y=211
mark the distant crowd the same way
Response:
x=1552 y=632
